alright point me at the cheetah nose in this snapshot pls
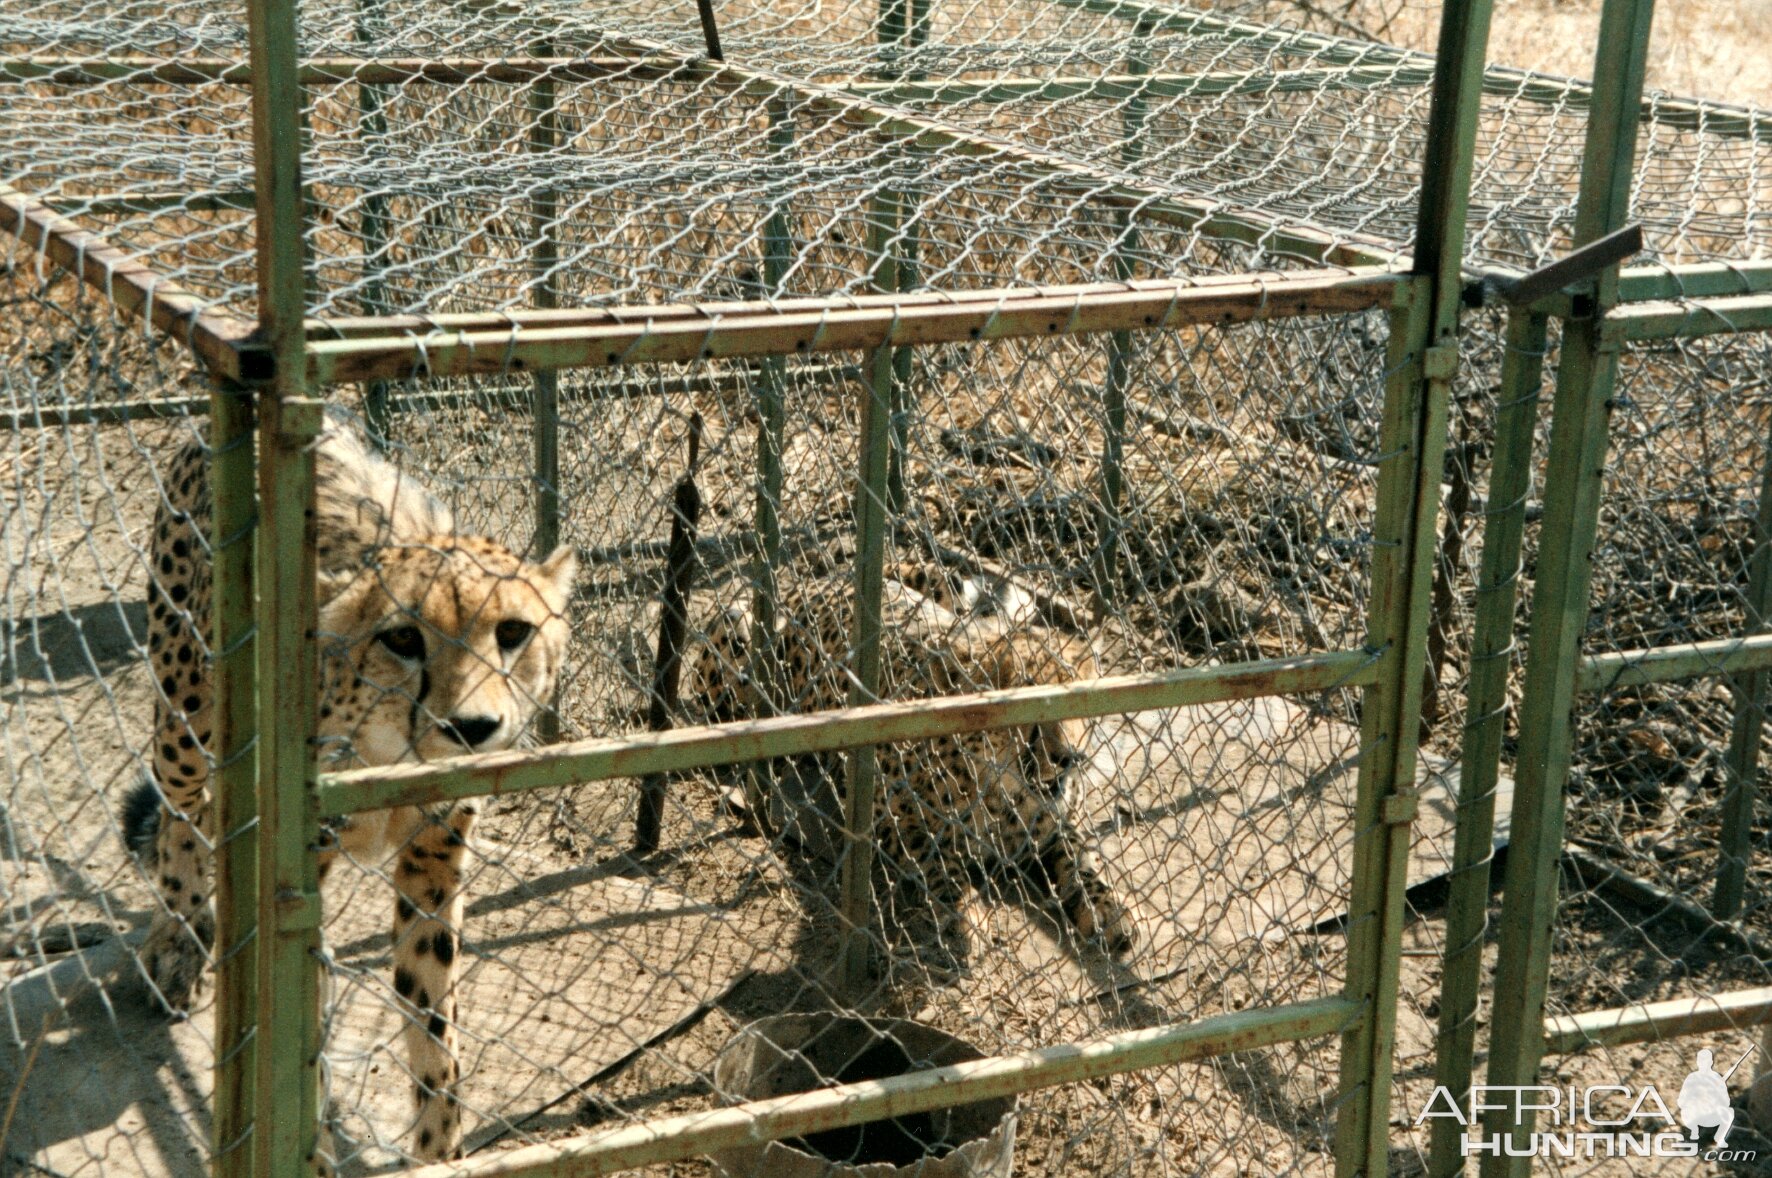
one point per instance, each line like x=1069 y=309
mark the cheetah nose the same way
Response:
x=1067 y=759
x=471 y=731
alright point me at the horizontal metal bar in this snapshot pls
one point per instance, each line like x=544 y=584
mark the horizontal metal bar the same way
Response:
x=115 y=412
x=111 y=204
x=100 y=413
x=1694 y=317
x=632 y=337
x=1648 y=1022
x=1662 y=664
x=359 y=327
x=1115 y=87
x=694 y=1134
x=1693 y=280
x=197 y=71
x=217 y=338
x=821 y=732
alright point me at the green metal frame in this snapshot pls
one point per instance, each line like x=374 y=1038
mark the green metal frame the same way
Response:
x=286 y=1121
x=271 y=802
x=233 y=781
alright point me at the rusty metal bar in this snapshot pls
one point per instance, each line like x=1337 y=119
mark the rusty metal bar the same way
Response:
x=693 y=1134
x=216 y=337
x=1651 y=1022
x=824 y=732
x=1276 y=282
x=805 y=326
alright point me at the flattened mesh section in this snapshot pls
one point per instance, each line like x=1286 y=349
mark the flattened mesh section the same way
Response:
x=448 y=193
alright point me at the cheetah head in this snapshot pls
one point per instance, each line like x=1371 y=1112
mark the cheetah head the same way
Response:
x=439 y=648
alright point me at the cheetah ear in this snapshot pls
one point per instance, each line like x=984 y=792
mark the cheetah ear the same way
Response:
x=332 y=584
x=561 y=569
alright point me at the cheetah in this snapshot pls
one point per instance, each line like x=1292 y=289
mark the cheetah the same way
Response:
x=431 y=644
x=952 y=807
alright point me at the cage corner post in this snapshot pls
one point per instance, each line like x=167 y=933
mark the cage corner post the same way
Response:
x=1421 y=362
x=771 y=395
x=233 y=781
x=1586 y=372
x=875 y=505
x=1121 y=346
x=1742 y=762
x=286 y=1137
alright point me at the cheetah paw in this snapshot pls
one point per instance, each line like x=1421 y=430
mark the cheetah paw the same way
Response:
x=175 y=958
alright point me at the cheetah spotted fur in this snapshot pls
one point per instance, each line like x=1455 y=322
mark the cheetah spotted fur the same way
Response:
x=952 y=807
x=432 y=644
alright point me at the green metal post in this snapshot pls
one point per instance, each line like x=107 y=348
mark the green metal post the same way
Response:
x=286 y=1118
x=903 y=25
x=1492 y=649
x=544 y=138
x=771 y=424
x=1742 y=765
x=1414 y=426
x=871 y=520
x=372 y=125
x=1585 y=378
x=1421 y=361
x=233 y=781
x=1120 y=345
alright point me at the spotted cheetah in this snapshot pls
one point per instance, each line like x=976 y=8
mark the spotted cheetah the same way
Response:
x=952 y=807
x=432 y=644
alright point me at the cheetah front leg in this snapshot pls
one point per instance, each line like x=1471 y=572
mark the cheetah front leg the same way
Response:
x=427 y=942
x=1057 y=860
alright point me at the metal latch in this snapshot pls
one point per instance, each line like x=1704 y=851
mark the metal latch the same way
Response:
x=1578 y=268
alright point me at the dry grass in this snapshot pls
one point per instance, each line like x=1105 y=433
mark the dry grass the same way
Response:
x=1702 y=48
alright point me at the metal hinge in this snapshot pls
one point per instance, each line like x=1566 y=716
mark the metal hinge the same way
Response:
x=1440 y=362
x=1399 y=809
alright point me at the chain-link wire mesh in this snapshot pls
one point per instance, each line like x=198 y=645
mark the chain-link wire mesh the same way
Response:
x=1035 y=537
x=1652 y=813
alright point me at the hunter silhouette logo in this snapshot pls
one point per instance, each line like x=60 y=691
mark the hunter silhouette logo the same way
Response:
x=1601 y=1120
x=1704 y=1097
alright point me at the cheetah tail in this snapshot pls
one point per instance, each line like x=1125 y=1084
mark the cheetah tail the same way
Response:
x=141 y=819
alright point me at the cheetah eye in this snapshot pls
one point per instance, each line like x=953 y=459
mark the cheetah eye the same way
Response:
x=404 y=642
x=512 y=633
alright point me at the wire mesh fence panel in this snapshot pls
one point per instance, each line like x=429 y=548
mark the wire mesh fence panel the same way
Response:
x=1033 y=887
x=98 y=1080
x=1656 y=807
